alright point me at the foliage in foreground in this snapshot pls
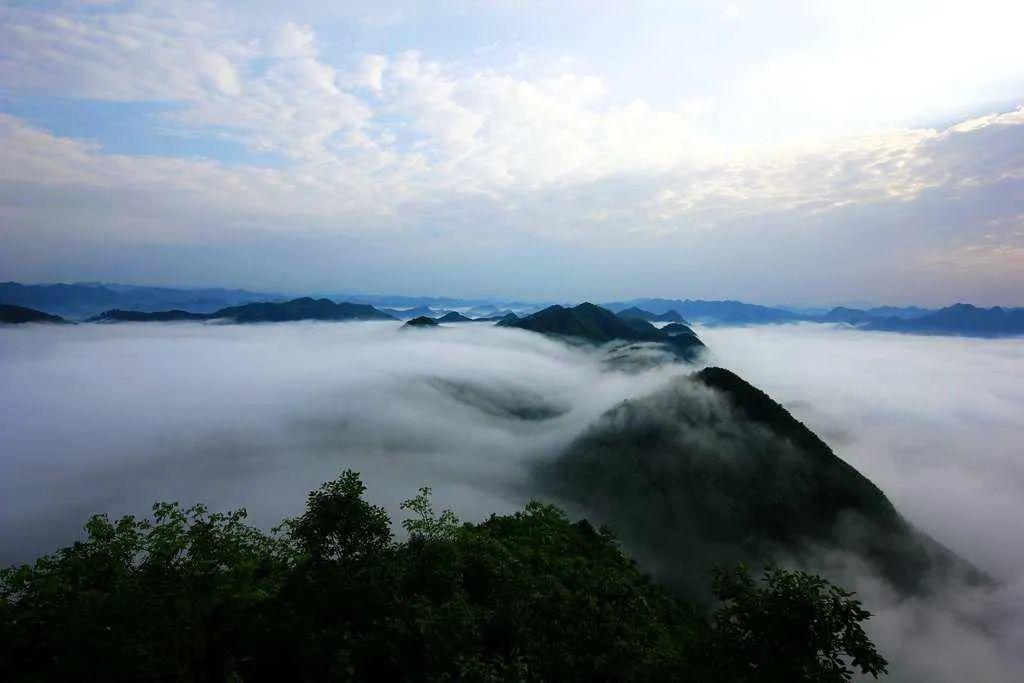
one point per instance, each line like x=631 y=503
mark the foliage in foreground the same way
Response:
x=330 y=595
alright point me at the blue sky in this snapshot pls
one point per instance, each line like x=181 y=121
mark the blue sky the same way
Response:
x=788 y=152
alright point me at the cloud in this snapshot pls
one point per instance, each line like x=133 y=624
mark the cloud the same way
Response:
x=111 y=418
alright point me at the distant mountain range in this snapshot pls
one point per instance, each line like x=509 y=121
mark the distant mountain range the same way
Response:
x=82 y=301
x=304 y=308
x=959 y=319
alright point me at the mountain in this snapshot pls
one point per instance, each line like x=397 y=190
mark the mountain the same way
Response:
x=507 y=316
x=83 y=300
x=959 y=319
x=711 y=312
x=599 y=325
x=899 y=311
x=409 y=313
x=666 y=317
x=711 y=469
x=305 y=308
x=11 y=314
x=422 y=321
x=454 y=317
x=841 y=314
x=117 y=315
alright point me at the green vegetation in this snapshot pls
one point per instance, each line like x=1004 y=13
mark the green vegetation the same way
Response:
x=330 y=595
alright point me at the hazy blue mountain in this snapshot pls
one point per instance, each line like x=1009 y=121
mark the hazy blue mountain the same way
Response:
x=711 y=312
x=712 y=469
x=454 y=317
x=899 y=311
x=841 y=314
x=599 y=325
x=422 y=321
x=959 y=319
x=666 y=317
x=117 y=315
x=14 y=315
x=83 y=300
x=409 y=313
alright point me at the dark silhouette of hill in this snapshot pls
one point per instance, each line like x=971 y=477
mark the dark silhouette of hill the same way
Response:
x=454 y=317
x=599 y=325
x=15 y=315
x=711 y=468
x=422 y=321
x=305 y=308
x=264 y=312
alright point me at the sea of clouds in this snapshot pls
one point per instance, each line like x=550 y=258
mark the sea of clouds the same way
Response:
x=109 y=418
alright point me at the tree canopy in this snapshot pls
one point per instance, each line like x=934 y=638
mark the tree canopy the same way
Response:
x=192 y=595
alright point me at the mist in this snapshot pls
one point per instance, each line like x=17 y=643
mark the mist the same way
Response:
x=938 y=424
x=110 y=418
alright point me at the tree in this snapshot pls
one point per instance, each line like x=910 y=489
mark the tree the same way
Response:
x=330 y=595
x=794 y=626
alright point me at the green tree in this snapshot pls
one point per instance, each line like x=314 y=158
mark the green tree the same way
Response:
x=330 y=595
x=792 y=626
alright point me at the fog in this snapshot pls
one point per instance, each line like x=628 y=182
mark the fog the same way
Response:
x=938 y=424
x=109 y=418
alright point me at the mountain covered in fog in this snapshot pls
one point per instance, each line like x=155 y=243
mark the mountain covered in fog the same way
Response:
x=598 y=325
x=711 y=469
x=14 y=315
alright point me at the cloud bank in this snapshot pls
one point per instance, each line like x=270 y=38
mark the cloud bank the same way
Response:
x=215 y=144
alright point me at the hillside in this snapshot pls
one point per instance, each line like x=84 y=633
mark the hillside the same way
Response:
x=712 y=468
x=16 y=315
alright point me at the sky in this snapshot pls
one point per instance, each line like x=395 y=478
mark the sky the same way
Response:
x=798 y=152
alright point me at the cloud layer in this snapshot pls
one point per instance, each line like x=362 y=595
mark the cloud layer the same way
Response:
x=338 y=141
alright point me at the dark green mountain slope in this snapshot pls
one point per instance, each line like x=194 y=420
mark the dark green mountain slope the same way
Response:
x=599 y=325
x=12 y=314
x=711 y=468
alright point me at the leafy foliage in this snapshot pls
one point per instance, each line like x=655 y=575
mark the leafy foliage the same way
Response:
x=330 y=595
